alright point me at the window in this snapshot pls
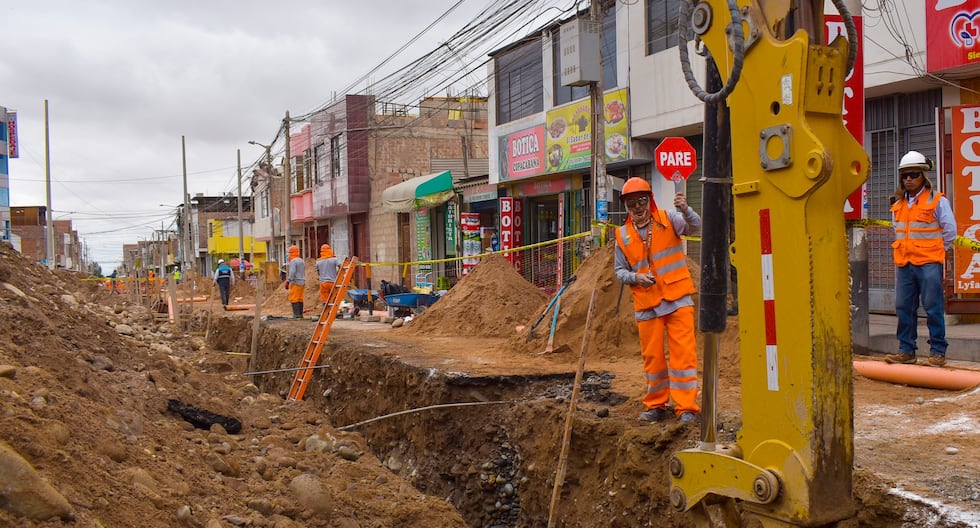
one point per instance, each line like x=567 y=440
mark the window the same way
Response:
x=264 y=201
x=567 y=94
x=335 y=156
x=519 y=82
x=662 y=18
x=319 y=163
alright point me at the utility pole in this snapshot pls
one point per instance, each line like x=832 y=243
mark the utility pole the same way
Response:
x=600 y=183
x=241 y=228
x=49 y=240
x=287 y=175
x=186 y=241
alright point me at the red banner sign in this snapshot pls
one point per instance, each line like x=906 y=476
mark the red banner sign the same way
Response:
x=853 y=112
x=12 y=149
x=512 y=229
x=952 y=34
x=966 y=190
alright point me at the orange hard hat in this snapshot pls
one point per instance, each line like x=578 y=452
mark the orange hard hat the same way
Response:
x=635 y=185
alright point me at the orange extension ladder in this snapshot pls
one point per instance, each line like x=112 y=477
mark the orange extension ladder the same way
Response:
x=327 y=316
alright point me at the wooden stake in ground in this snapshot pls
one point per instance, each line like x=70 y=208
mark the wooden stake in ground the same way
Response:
x=567 y=437
x=207 y=330
x=256 y=321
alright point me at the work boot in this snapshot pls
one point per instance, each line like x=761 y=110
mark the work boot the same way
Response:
x=688 y=417
x=657 y=414
x=936 y=360
x=297 y=310
x=901 y=357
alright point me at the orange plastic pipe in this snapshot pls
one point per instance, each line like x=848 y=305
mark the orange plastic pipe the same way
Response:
x=919 y=375
x=235 y=307
x=192 y=299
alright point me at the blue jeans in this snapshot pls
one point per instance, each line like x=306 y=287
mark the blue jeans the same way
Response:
x=913 y=283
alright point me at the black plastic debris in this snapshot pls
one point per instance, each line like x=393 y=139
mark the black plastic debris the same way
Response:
x=203 y=419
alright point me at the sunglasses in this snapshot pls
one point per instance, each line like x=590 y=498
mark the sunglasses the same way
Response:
x=910 y=175
x=637 y=202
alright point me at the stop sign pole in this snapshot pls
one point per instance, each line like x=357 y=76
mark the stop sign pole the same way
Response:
x=676 y=160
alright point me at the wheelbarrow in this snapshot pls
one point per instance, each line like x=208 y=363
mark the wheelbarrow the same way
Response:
x=416 y=302
x=360 y=297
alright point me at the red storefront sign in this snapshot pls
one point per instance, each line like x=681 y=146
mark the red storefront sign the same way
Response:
x=525 y=153
x=952 y=34
x=512 y=230
x=966 y=189
x=853 y=113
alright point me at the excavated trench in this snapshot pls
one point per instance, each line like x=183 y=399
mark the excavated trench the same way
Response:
x=495 y=458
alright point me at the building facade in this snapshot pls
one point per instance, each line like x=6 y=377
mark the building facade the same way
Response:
x=915 y=72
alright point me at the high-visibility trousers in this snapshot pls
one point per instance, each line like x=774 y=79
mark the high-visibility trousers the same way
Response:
x=679 y=379
x=325 y=288
x=296 y=292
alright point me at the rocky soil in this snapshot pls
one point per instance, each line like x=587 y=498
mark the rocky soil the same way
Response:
x=438 y=423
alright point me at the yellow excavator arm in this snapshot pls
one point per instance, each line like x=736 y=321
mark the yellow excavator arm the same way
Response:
x=793 y=166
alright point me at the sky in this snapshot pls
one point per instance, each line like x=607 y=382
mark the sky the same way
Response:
x=125 y=80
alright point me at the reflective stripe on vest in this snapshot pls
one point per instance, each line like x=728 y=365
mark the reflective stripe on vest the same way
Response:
x=673 y=280
x=918 y=235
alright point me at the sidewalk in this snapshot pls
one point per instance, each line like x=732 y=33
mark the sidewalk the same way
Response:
x=964 y=339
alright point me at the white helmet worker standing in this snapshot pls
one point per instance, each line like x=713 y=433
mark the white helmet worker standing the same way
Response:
x=924 y=231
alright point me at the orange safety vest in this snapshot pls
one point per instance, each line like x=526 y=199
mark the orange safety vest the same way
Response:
x=918 y=235
x=666 y=251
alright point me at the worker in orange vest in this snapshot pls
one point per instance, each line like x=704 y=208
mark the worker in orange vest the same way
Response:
x=650 y=259
x=924 y=230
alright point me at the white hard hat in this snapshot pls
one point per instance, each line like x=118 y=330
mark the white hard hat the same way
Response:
x=915 y=160
x=221 y=261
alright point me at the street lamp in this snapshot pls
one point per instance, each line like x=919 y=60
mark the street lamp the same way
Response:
x=284 y=212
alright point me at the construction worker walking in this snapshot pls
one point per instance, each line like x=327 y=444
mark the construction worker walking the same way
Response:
x=296 y=278
x=326 y=270
x=224 y=278
x=650 y=259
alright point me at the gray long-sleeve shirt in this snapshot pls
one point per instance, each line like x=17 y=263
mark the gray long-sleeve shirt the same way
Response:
x=296 y=272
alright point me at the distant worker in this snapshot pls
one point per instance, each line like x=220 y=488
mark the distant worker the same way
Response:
x=112 y=282
x=924 y=231
x=224 y=278
x=650 y=259
x=296 y=277
x=177 y=275
x=326 y=270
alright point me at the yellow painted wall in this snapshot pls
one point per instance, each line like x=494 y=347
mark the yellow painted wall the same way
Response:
x=219 y=244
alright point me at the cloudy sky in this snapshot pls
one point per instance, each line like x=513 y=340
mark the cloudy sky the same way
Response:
x=125 y=79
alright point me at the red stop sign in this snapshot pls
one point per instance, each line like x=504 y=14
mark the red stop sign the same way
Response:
x=675 y=158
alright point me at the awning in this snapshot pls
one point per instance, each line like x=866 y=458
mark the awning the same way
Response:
x=418 y=193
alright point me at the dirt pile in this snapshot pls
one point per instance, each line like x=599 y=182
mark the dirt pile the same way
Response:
x=85 y=379
x=276 y=299
x=489 y=302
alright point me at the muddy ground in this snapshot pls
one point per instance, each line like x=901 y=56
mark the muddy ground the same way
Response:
x=474 y=440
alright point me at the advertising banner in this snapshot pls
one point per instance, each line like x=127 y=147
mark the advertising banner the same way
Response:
x=952 y=34
x=966 y=190
x=451 y=230
x=12 y=143
x=470 y=226
x=423 y=240
x=525 y=153
x=569 y=133
x=565 y=141
x=853 y=114
x=512 y=229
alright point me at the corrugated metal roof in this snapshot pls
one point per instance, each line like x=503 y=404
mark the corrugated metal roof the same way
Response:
x=475 y=167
